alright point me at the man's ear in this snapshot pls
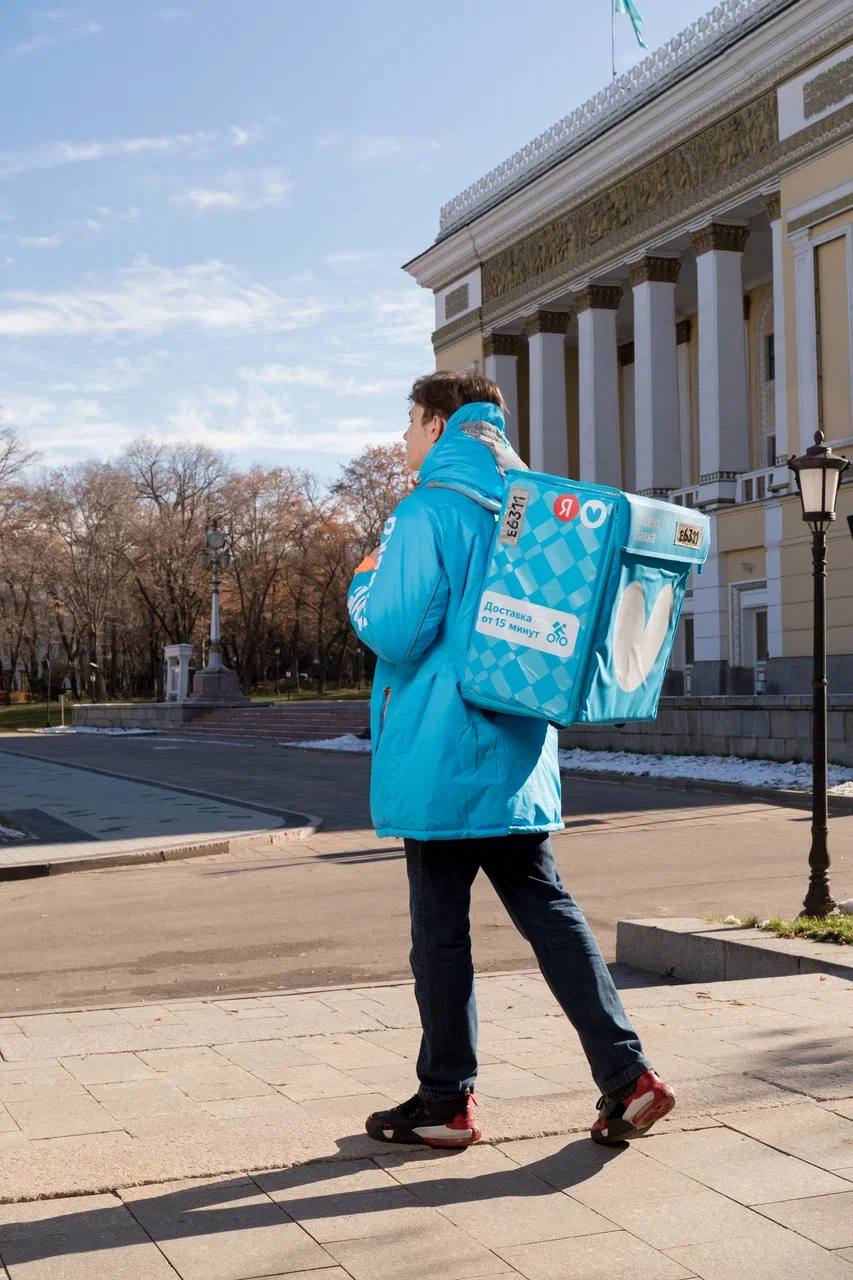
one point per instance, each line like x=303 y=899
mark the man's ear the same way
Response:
x=436 y=427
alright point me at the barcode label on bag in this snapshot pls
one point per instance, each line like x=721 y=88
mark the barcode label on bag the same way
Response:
x=513 y=520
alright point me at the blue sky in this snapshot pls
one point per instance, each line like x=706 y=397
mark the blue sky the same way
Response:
x=204 y=205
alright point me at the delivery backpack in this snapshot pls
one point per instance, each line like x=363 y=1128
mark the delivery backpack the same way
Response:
x=580 y=602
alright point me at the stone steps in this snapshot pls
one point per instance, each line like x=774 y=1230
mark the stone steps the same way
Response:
x=293 y=723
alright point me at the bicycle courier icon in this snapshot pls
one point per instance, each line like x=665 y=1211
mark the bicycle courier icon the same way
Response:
x=581 y=601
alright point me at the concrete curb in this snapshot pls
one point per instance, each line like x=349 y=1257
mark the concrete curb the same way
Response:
x=690 y=950
x=299 y=826
x=786 y=798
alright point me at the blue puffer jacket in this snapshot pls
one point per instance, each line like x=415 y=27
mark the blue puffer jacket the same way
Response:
x=443 y=769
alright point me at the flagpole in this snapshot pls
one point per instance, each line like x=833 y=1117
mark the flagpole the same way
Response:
x=613 y=37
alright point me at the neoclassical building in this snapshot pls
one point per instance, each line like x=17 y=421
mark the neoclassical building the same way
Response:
x=662 y=285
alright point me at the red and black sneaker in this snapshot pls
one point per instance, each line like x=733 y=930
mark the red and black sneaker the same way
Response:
x=632 y=1114
x=449 y=1123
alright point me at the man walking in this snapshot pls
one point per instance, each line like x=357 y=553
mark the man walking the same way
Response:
x=469 y=789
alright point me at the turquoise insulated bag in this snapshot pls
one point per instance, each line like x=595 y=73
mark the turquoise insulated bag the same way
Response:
x=581 y=601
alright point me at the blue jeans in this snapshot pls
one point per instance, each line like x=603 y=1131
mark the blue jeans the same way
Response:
x=524 y=876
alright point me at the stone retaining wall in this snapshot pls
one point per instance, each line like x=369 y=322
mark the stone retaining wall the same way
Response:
x=768 y=726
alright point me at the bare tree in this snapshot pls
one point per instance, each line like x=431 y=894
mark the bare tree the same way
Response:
x=178 y=493
x=369 y=488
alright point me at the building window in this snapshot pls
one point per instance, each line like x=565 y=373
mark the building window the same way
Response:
x=770 y=361
x=689 y=648
x=770 y=451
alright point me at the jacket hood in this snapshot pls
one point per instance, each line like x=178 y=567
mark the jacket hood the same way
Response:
x=473 y=455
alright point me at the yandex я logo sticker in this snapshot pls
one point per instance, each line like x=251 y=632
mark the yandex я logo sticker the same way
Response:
x=566 y=506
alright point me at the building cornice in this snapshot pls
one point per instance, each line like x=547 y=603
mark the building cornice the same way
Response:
x=704 y=40
x=776 y=51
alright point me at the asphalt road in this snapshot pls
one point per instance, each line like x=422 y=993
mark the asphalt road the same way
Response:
x=334 y=910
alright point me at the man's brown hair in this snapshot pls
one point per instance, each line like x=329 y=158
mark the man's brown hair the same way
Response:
x=443 y=393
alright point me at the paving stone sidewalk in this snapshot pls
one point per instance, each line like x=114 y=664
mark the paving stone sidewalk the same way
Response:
x=221 y=1139
x=73 y=816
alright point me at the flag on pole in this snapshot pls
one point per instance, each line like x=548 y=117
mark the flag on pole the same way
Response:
x=628 y=6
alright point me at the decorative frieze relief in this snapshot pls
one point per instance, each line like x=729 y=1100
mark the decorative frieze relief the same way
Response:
x=674 y=178
x=545 y=322
x=502 y=344
x=654 y=270
x=719 y=235
x=600 y=297
x=830 y=86
x=682 y=332
x=456 y=302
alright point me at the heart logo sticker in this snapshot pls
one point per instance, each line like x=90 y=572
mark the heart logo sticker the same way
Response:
x=594 y=513
x=636 y=642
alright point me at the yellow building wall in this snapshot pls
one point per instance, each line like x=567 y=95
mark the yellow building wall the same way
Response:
x=459 y=355
x=797 y=579
x=739 y=527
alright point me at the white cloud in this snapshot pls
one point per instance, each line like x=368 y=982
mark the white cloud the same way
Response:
x=367 y=148
x=351 y=257
x=285 y=375
x=149 y=299
x=247 y=189
x=48 y=39
x=242 y=137
x=406 y=317
x=50 y=155
x=319 y=378
x=40 y=242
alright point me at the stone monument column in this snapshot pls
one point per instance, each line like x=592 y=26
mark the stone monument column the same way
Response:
x=216 y=683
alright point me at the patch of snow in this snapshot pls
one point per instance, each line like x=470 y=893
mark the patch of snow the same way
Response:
x=769 y=774
x=112 y=733
x=11 y=833
x=346 y=742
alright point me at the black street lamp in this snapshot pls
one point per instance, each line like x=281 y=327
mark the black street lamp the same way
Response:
x=277 y=652
x=818 y=473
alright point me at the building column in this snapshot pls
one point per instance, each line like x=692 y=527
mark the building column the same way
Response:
x=682 y=361
x=723 y=399
x=629 y=447
x=501 y=352
x=598 y=372
x=656 y=422
x=549 y=441
x=780 y=385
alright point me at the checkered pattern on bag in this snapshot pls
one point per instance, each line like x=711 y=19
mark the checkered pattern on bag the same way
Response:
x=556 y=563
